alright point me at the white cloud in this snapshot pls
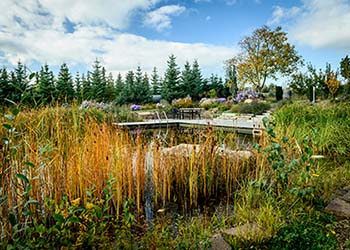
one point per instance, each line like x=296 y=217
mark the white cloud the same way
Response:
x=160 y=19
x=280 y=14
x=34 y=32
x=320 y=23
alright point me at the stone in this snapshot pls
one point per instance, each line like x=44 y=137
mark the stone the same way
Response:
x=186 y=150
x=339 y=207
x=244 y=231
x=346 y=197
x=218 y=243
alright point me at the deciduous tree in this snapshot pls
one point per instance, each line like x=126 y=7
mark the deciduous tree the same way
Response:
x=264 y=55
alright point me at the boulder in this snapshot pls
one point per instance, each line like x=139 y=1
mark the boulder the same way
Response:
x=245 y=231
x=218 y=243
x=186 y=150
x=340 y=205
x=339 y=208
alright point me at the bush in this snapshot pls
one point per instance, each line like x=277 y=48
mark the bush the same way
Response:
x=182 y=103
x=256 y=108
x=307 y=232
x=279 y=93
x=246 y=94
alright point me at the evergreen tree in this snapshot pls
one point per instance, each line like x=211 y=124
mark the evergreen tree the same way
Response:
x=46 y=88
x=78 y=88
x=145 y=90
x=119 y=85
x=64 y=86
x=98 y=82
x=197 y=81
x=187 y=85
x=110 y=88
x=87 y=89
x=5 y=87
x=345 y=68
x=170 y=89
x=137 y=86
x=155 y=82
x=126 y=95
x=19 y=82
x=141 y=92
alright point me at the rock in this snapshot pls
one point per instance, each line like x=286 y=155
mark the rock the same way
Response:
x=245 y=231
x=218 y=243
x=339 y=207
x=181 y=149
x=346 y=197
x=186 y=150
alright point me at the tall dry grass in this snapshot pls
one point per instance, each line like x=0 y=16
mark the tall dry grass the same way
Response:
x=61 y=152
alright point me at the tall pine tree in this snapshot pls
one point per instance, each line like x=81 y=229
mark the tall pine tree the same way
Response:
x=187 y=85
x=46 y=88
x=64 y=86
x=5 y=87
x=119 y=85
x=197 y=81
x=98 y=82
x=155 y=82
x=170 y=89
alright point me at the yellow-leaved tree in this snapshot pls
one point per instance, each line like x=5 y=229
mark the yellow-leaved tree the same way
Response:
x=265 y=55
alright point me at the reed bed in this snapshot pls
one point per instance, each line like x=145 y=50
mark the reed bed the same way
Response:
x=54 y=153
x=328 y=123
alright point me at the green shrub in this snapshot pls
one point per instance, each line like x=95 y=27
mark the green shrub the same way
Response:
x=149 y=106
x=315 y=231
x=279 y=93
x=182 y=103
x=255 y=108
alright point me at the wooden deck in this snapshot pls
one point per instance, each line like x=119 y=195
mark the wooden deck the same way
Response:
x=252 y=125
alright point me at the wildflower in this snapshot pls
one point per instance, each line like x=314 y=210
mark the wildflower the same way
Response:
x=89 y=206
x=75 y=202
x=315 y=175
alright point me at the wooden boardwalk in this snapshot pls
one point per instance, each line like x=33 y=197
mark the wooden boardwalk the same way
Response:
x=244 y=125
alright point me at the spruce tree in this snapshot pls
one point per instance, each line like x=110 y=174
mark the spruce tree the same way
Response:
x=78 y=88
x=110 y=88
x=19 y=83
x=187 y=85
x=87 y=89
x=46 y=88
x=170 y=89
x=197 y=81
x=126 y=95
x=119 y=85
x=64 y=86
x=137 y=86
x=145 y=90
x=5 y=87
x=98 y=82
x=155 y=82
x=345 y=68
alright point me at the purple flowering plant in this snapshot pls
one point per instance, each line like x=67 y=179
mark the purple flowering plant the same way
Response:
x=135 y=107
x=245 y=94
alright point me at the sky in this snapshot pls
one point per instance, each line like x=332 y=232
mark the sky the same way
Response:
x=124 y=34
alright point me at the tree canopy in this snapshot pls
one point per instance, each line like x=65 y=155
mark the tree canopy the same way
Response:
x=264 y=55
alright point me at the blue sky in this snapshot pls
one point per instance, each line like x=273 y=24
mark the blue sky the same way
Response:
x=126 y=34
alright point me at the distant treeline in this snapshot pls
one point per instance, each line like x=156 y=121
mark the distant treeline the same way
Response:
x=43 y=88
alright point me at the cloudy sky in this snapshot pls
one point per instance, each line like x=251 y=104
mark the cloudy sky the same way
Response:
x=123 y=34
